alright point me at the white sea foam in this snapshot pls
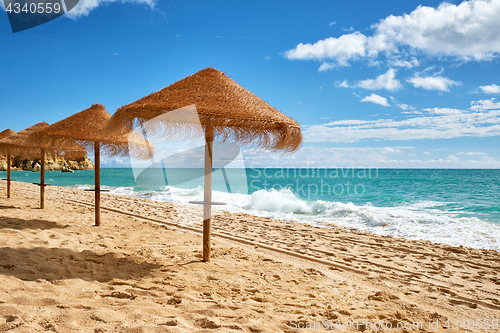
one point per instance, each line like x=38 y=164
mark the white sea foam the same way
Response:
x=420 y=220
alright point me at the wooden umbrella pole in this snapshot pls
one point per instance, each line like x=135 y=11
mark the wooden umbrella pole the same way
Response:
x=207 y=208
x=42 y=180
x=8 y=175
x=97 y=169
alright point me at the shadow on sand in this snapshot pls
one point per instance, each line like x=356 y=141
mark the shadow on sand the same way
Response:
x=20 y=224
x=30 y=264
x=8 y=207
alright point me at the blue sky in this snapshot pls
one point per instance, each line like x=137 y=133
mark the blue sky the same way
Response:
x=372 y=83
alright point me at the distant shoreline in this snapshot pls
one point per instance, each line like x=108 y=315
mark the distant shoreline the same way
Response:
x=57 y=164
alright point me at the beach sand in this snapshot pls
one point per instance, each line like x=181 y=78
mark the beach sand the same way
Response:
x=60 y=273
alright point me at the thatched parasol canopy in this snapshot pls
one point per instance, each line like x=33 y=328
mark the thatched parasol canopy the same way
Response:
x=232 y=111
x=30 y=143
x=6 y=133
x=226 y=112
x=10 y=144
x=89 y=128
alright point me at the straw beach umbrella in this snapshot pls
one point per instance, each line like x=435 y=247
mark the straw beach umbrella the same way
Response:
x=225 y=110
x=88 y=128
x=4 y=134
x=31 y=144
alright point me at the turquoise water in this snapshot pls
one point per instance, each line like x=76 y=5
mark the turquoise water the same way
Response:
x=458 y=207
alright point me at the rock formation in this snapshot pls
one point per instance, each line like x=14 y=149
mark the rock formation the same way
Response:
x=56 y=164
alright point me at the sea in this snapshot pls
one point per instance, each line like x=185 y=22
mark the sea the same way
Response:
x=456 y=207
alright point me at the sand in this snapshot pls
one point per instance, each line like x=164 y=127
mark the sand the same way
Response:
x=60 y=273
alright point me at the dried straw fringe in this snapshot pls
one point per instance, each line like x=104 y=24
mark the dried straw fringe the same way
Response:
x=233 y=112
x=89 y=126
x=6 y=133
x=254 y=133
x=132 y=150
x=28 y=144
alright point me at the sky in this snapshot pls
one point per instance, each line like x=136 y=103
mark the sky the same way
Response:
x=385 y=84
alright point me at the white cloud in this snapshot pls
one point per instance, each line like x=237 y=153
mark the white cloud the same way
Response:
x=435 y=82
x=114 y=161
x=374 y=98
x=444 y=111
x=486 y=104
x=426 y=153
x=350 y=122
x=84 y=7
x=472 y=153
x=343 y=84
x=326 y=66
x=363 y=157
x=312 y=157
x=468 y=31
x=332 y=23
x=406 y=107
x=440 y=124
x=267 y=58
x=404 y=63
x=491 y=89
x=342 y=49
x=384 y=81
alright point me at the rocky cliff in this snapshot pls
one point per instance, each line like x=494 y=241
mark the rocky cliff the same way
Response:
x=57 y=164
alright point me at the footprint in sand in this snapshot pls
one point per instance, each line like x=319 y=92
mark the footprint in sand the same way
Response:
x=206 y=323
x=174 y=300
x=9 y=322
x=382 y=296
x=169 y=323
x=121 y=294
x=459 y=302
